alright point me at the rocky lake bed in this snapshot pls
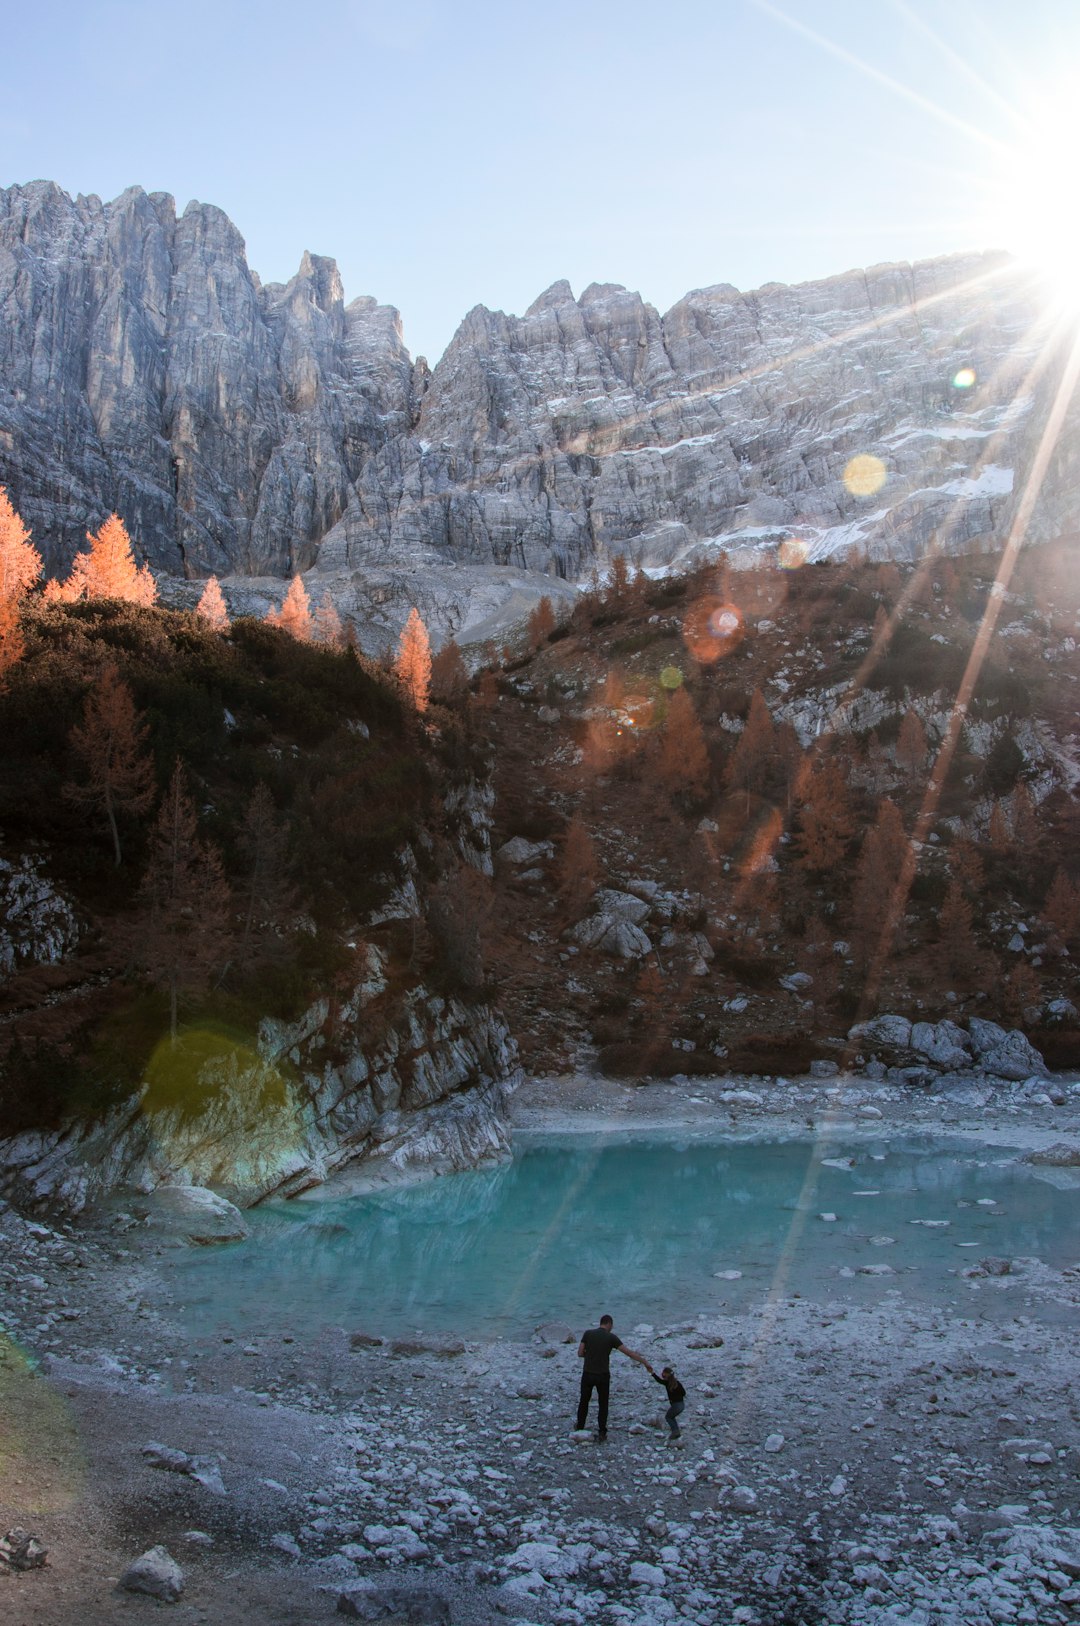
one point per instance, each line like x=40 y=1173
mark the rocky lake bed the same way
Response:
x=847 y=1457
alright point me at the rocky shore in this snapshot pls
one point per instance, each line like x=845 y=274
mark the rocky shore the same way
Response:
x=898 y=1462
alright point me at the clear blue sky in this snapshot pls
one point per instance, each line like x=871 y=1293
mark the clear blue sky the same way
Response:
x=455 y=152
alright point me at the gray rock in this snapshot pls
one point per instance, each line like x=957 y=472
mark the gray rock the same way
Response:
x=942 y=1043
x=517 y=851
x=418 y=1605
x=194 y=1213
x=250 y=429
x=1061 y=1155
x=157 y=1574
x=884 y=1032
x=427 y=1346
x=556 y=1332
x=432 y=1097
x=1015 y=1059
x=19 y=1551
x=37 y=924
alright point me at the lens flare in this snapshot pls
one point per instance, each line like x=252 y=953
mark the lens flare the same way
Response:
x=964 y=379
x=712 y=628
x=864 y=475
x=793 y=553
x=671 y=678
x=42 y=1467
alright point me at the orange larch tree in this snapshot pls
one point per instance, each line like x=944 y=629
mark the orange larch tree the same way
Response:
x=750 y=762
x=1061 y=911
x=108 y=569
x=874 y=898
x=327 y=627
x=826 y=822
x=413 y=663
x=294 y=617
x=684 y=764
x=212 y=606
x=110 y=743
x=449 y=674
x=577 y=867
x=187 y=901
x=541 y=622
x=264 y=842
x=12 y=642
x=20 y=561
x=911 y=745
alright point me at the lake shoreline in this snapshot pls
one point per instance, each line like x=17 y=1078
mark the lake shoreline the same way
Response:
x=842 y=1458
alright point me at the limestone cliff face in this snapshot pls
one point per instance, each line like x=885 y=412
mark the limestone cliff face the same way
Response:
x=143 y=368
x=311 y=1098
x=253 y=430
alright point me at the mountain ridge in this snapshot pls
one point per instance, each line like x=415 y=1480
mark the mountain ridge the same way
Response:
x=254 y=429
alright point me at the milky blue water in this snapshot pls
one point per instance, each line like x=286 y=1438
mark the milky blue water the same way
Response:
x=644 y=1229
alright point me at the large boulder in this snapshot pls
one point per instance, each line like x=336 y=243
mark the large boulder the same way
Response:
x=1015 y=1059
x=942 y=1043
x=156 y=1573
x=194 y=1214
x=615 y=926
x=889 y=1033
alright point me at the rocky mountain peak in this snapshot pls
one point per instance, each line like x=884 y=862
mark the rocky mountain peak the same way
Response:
x=251 y=430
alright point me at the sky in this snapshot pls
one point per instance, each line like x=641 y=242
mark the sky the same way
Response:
x=449 y=153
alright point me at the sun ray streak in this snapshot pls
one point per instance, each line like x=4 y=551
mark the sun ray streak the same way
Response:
x=898 y=900
x=905 y=91
x=958 y=712
x=959 y=63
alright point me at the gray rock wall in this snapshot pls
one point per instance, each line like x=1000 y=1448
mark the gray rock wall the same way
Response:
x=255 y=430
x=309 y=1099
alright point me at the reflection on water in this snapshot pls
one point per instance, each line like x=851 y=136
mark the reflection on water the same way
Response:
x=642 y=1228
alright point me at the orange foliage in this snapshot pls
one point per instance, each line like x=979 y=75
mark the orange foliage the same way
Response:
x=12 y=642
x=413 y=663
x=578 y=868
x=212 y=606
x=684 y=756
x=751 y=760
x=294 y=617
x=826 y=822
x=108 y=569
x=20 y=561
x=449 y=674
x=328 y=629
x=541 y=623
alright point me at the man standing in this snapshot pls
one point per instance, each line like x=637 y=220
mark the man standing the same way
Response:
x=595 y=1350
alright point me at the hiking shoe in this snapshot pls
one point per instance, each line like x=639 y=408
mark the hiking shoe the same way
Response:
x=601 y=1439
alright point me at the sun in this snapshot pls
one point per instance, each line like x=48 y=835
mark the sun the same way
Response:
x=1037 y=202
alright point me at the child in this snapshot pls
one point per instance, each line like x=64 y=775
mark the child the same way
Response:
x=677 y=1401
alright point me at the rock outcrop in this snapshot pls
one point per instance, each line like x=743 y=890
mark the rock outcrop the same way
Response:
x=946 y=1050
x=37 y=923
x=428 y=1094
x=255 y=430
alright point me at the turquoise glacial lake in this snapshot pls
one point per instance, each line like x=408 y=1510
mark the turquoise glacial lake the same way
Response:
x=656 y=1229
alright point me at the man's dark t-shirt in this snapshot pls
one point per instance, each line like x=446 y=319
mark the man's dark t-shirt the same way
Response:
x=599 y=1343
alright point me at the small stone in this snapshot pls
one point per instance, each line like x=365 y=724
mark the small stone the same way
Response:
x=285 y=1543
x=642 y=1574
x=774 y=1442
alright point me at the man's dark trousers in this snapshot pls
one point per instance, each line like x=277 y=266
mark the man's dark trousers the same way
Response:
x=601 y=1382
